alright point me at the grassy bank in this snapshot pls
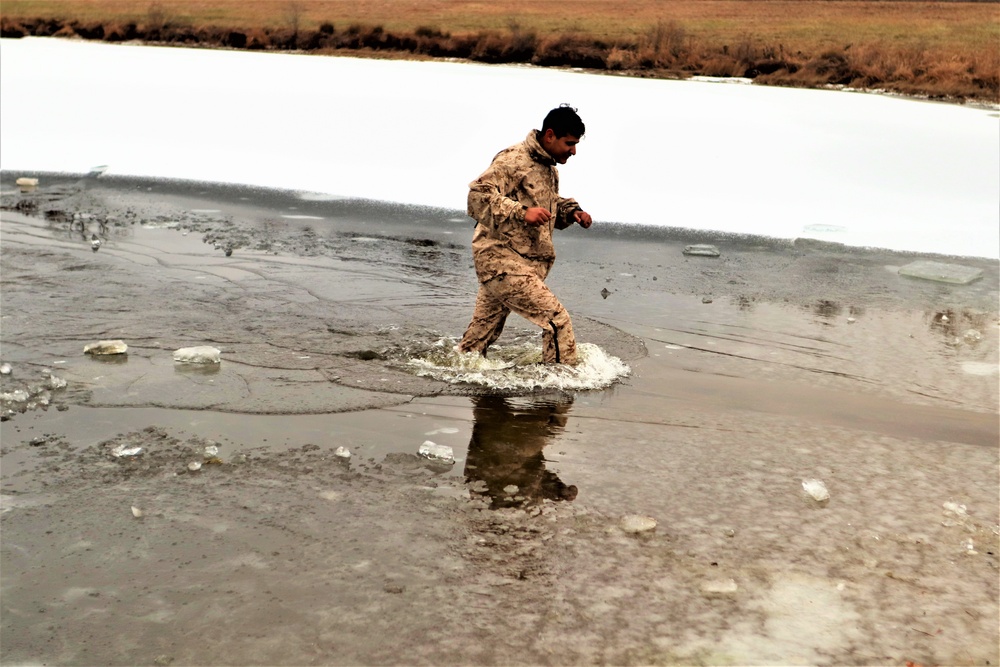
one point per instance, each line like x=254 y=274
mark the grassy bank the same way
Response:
x=942 y=50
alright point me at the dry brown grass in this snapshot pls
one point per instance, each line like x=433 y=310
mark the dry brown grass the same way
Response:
x=942 y=49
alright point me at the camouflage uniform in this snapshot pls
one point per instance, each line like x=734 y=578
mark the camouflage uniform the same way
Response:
x=512 y=257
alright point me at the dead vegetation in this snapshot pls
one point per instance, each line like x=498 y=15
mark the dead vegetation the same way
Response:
x=938 y=50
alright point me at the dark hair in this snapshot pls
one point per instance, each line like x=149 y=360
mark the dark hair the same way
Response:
x=563 y=120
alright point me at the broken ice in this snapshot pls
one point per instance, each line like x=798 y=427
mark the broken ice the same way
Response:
x=201 y=354
x=435 y=452
x=816 y=489
x=106 y=347
x=342 y=452
x=940 y=272
x=701 y=250
x=635 y=523
x=125 y=450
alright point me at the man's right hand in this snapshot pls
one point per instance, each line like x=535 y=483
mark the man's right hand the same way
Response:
x=537 y=215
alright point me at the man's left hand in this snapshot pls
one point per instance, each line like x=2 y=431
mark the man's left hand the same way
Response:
x=583 y=219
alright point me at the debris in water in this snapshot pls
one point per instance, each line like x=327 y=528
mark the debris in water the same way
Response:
x=701 y=250
x=103 y=347
x=342 y=452
x=95 y=243
x=201 y=354
x=5 y=369
x=136 y=512
x=816 y=489
x=706 y=299
x=435 y=452
x=605 y=293
x=211 y=450
x=194 y=466
x=510 y=489
x=636 y=523
x=955 y=274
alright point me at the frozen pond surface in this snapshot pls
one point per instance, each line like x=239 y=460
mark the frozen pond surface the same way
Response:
x=853 y=168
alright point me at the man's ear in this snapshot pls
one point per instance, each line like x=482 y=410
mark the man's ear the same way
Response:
x=549 y=135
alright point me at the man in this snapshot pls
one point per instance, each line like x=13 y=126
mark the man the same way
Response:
x=516 y=205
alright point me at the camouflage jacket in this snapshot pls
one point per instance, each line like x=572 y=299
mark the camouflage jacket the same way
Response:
x=521 y=177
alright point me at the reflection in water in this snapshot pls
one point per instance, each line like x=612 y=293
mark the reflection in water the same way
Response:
x=506 y=449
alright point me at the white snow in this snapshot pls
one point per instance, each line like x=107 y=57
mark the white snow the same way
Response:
x=856 y=168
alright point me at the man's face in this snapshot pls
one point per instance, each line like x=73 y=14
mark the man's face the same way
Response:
x=560 y=148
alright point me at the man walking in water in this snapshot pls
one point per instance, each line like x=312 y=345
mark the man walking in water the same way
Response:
x=516 y=206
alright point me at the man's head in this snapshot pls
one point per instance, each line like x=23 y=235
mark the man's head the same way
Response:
x=561 y=131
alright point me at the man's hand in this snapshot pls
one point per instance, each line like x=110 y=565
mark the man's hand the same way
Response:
x=537 y=216
x=583 y=219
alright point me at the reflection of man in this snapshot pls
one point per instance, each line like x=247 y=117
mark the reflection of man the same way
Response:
x=506 y=449
x=516 y=205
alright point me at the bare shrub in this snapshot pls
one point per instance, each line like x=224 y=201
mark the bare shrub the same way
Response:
x=721 y=65
x=570 y=51
x=620 y=58
x=12 y=29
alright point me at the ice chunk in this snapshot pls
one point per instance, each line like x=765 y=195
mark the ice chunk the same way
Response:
x=342 y=452
x=719 y=587
x=816 y=489
x=106 y=347
x=980 y=368
x=510 y=489
x=635 y=523
x=16 y=396
x=941 y=272
x=194 y=466
x=972 y=337
x=27 y=184
x=5 y=369
x=125 y=450
x=701 y=250
x=136 y=512
x=201 y=354
x=435 y=452
x=55 y=382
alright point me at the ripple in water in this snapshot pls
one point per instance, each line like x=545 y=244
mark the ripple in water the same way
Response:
x=518 y=367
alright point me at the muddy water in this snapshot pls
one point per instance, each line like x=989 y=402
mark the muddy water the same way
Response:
x=746 y=375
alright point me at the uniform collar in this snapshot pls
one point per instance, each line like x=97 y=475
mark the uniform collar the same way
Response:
x=538 y=154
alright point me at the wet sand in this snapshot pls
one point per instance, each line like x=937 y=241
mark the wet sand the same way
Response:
x=773 y=364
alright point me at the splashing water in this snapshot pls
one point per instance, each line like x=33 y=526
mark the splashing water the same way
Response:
x=518 y=367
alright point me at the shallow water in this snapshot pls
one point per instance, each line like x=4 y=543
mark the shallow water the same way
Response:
x=749 y=373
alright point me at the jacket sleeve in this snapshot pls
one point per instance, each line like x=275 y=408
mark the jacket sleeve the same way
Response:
x=489 y=200
x=565 y=208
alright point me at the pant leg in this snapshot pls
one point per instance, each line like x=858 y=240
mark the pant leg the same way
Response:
x=487 y=323
x=529 y=296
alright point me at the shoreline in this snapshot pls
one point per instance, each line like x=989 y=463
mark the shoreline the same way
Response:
x=666 y=50
x=320 y=203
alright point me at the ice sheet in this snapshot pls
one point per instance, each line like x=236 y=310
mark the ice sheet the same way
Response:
x=881 y=171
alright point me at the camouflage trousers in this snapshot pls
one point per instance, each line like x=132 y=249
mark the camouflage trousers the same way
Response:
x=526 y=294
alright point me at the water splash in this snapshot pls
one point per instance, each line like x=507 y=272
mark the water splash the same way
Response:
x=517 y=367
